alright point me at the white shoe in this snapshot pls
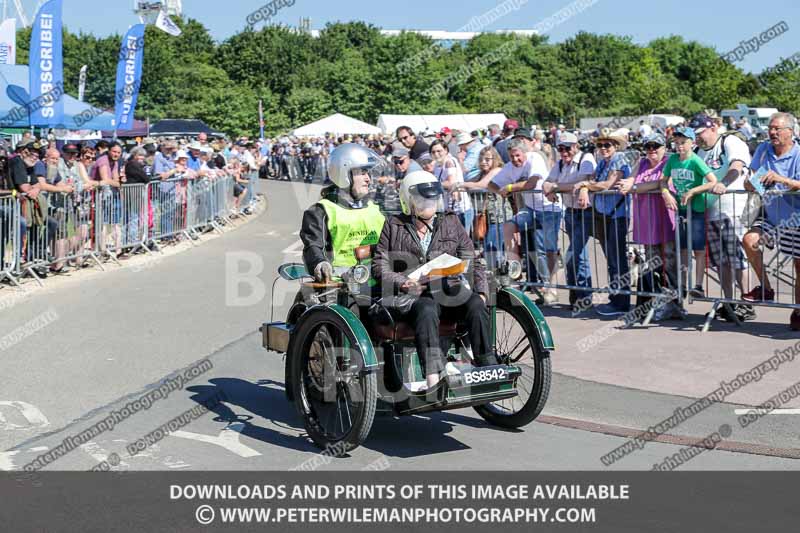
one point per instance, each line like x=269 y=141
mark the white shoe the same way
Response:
x=550 y=297
x=451 y=370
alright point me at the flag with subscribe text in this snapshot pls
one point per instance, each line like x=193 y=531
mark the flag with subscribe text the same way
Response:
x=47 y=66
x=129 y=76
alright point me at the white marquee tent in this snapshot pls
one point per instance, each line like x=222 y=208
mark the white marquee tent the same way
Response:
x=434 y=123
x=337 y=124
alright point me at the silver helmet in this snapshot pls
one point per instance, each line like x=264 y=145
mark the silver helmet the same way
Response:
x=347 y=157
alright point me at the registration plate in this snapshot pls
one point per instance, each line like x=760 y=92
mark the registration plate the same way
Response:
x=485 y=375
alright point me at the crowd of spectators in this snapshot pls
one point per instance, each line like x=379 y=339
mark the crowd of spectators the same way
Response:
x=56 y=185
x=692 y=177
x=626 y=189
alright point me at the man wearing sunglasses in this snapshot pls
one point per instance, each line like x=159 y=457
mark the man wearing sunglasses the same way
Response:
x=414 y=145
x=573 y=167
x=611 y=214
x=403 y=162
x=385 y=190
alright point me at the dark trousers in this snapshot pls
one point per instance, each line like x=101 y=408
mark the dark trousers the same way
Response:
x=578 y=223
x=425 y=315
x=614 y=244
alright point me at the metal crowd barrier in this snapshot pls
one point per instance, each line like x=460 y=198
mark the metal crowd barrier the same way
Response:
x=543 y=239
x=320 y=168
x=121 y=223
x=210 y=198
x=644 y=270
x=728 y=273
x=200 y=204
x=12 y=230
x=293 y=168
x=67 y=229
x=168 y=199
x=70 y=229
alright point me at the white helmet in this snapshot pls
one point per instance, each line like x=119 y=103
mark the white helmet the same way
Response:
x=347 y=157
x=421 y=184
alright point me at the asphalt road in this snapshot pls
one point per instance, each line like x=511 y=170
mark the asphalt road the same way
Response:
x=109 y=339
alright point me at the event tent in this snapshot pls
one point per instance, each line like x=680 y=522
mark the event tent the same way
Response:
x=434 y=123
x=337 y=124
x=179 y=127
x=73 y=109
x=140 y=129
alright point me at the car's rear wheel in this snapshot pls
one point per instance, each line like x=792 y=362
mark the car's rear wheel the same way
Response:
x=516 y=343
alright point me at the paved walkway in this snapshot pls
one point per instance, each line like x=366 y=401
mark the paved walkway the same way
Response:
x=676 y=357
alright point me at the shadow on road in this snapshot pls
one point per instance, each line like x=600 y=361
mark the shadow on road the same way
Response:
x=265 y=399
x=404 y=437
x=413 y=436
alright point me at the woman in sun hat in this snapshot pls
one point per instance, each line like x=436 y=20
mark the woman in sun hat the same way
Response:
x=611 y=212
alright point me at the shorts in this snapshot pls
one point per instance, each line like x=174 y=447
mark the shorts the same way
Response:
x=725 y=243
x=698 y=231
x=546 y=224
x=787 y=237
x=237 y=189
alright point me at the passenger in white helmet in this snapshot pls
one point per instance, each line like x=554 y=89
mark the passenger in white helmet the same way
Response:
x=422 y=233
x=343 y=219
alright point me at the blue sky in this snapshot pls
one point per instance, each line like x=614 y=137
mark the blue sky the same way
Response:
x=719 y=23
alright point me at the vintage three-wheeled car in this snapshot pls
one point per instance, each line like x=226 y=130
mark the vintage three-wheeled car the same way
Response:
x=347 y=358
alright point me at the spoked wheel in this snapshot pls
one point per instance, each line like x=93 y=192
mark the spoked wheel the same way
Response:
x=516 y=344
x=333 y=395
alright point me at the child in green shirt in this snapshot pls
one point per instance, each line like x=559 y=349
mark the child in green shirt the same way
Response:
x=691 y=178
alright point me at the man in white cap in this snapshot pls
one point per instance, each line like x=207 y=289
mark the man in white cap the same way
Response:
x=194 y=156
x=469 y=154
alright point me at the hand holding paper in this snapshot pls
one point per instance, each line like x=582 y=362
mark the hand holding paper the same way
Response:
x=444 y=265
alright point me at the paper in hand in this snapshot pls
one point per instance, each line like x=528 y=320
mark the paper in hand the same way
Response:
x=444 y=265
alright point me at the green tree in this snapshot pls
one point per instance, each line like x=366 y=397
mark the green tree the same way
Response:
x=781 y=87
x=266 y=58
x=353 y=69
x=307 y=105
x=601 y=64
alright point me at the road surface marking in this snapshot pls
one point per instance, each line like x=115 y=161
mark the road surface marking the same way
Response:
x=228 y=438
x=6 y=463
x=30 y=412
x=294 y=249
x=768 y=411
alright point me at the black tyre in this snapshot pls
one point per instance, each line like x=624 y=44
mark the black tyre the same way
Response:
x=516 y=343
x=335 y=397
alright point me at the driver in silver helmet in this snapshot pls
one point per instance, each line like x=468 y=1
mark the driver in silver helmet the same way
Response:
x=343 y=219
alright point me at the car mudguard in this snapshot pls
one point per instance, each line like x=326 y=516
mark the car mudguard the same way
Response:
x=369 y=361
x=517 y=297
